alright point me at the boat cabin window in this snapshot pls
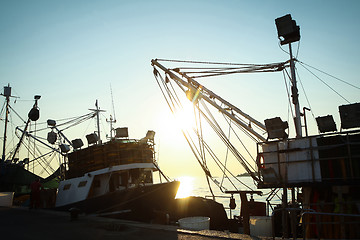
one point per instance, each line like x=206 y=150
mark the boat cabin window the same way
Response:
x=114 y=182
x=82 y=184
x=67 y=186
x=134 y=175
x=140 y=176
x=148 y=176
x=124 y=179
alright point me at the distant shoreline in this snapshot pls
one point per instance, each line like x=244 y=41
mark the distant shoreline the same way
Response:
x=244 y=175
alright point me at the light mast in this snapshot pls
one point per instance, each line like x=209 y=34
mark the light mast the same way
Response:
x=7 y=95
x=289 y=32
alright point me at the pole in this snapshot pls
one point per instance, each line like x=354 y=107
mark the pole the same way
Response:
x=111 y=121
x=6 y=123
x=295 y=95
x=25 y=131
x=98 y=121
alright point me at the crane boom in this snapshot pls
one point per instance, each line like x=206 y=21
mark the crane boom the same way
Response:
x=210 y=97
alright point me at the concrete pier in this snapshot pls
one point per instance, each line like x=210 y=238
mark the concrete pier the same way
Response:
x=22 y=223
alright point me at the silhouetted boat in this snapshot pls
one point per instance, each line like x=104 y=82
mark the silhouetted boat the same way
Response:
x=114 y=177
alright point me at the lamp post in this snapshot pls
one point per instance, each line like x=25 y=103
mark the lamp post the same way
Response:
x=289 y=32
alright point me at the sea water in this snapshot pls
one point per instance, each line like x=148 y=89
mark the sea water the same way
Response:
x=201 y=188
x=198 y=186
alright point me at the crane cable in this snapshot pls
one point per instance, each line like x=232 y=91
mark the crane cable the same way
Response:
x=172 y=108
x=196 y=151
x=201 y=146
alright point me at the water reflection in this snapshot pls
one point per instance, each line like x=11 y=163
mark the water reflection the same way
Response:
x=186 y=187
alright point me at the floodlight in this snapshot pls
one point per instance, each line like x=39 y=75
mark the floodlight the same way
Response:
x=92 y=138
x=51 y=137
x=121 y=132
x=288 y=31
x=275 y=128
x=51 y=122
x=7 y=91
x=350 y=115
x=326 y=124
x=150 y=135
x=64 y=148
x=77 y=143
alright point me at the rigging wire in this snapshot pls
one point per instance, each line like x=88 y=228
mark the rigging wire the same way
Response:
x=238 y=138
x=226 y=155
x=325 y=83
x=208 y=63
x=171 y=103
x=297 y=51
x=198 y=153
x=281 y=48
x=287 y=90
x=17 y=114
x=343 y=81
x=245 y=68
x=2 y=109
x=201 y=146
x=306 y=97
x=217 y=129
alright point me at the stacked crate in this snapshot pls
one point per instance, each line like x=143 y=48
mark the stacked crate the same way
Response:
x=112 y=153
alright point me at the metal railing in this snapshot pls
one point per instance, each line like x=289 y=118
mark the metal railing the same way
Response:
x=293 y=212
x=331 y=225
x=325 y=225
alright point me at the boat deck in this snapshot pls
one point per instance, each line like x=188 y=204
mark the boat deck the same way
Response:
x=22 y=223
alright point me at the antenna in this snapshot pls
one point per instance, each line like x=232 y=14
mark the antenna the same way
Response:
x=97 y=110
x=112 y=102
x=112 y=120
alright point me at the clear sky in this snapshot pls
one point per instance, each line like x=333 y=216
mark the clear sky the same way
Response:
x=70 y=52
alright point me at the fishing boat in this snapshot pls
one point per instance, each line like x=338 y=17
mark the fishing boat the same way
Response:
x=16 y=175
x=115 y=177
x=316 y=177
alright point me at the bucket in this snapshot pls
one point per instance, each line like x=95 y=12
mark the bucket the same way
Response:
x=260 y=226
x=6 y=199
x=195 y=223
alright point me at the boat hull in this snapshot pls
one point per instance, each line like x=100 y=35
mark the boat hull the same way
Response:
x=142 y=199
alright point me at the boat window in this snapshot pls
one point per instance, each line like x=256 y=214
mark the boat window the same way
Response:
x=82 y=184
x=148 y=177
x=67 y=186
x=114 y=182
x=124 y=179
x=134 y=174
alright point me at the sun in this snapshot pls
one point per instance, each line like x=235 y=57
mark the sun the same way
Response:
x=186 y=187
x=185 y=117
x=181 y=120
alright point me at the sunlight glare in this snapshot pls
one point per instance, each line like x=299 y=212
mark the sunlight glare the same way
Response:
x=186 y=187
x=184 y=116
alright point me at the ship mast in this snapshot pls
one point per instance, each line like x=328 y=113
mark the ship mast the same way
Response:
x=289 y=32
x=295 y=96
x=33 y=115
x=7 y=95
x=98 y=121
x=97 y=110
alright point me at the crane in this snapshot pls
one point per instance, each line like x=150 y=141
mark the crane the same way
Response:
x=201 y=96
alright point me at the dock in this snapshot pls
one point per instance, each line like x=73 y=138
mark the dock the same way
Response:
x=22 y=223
